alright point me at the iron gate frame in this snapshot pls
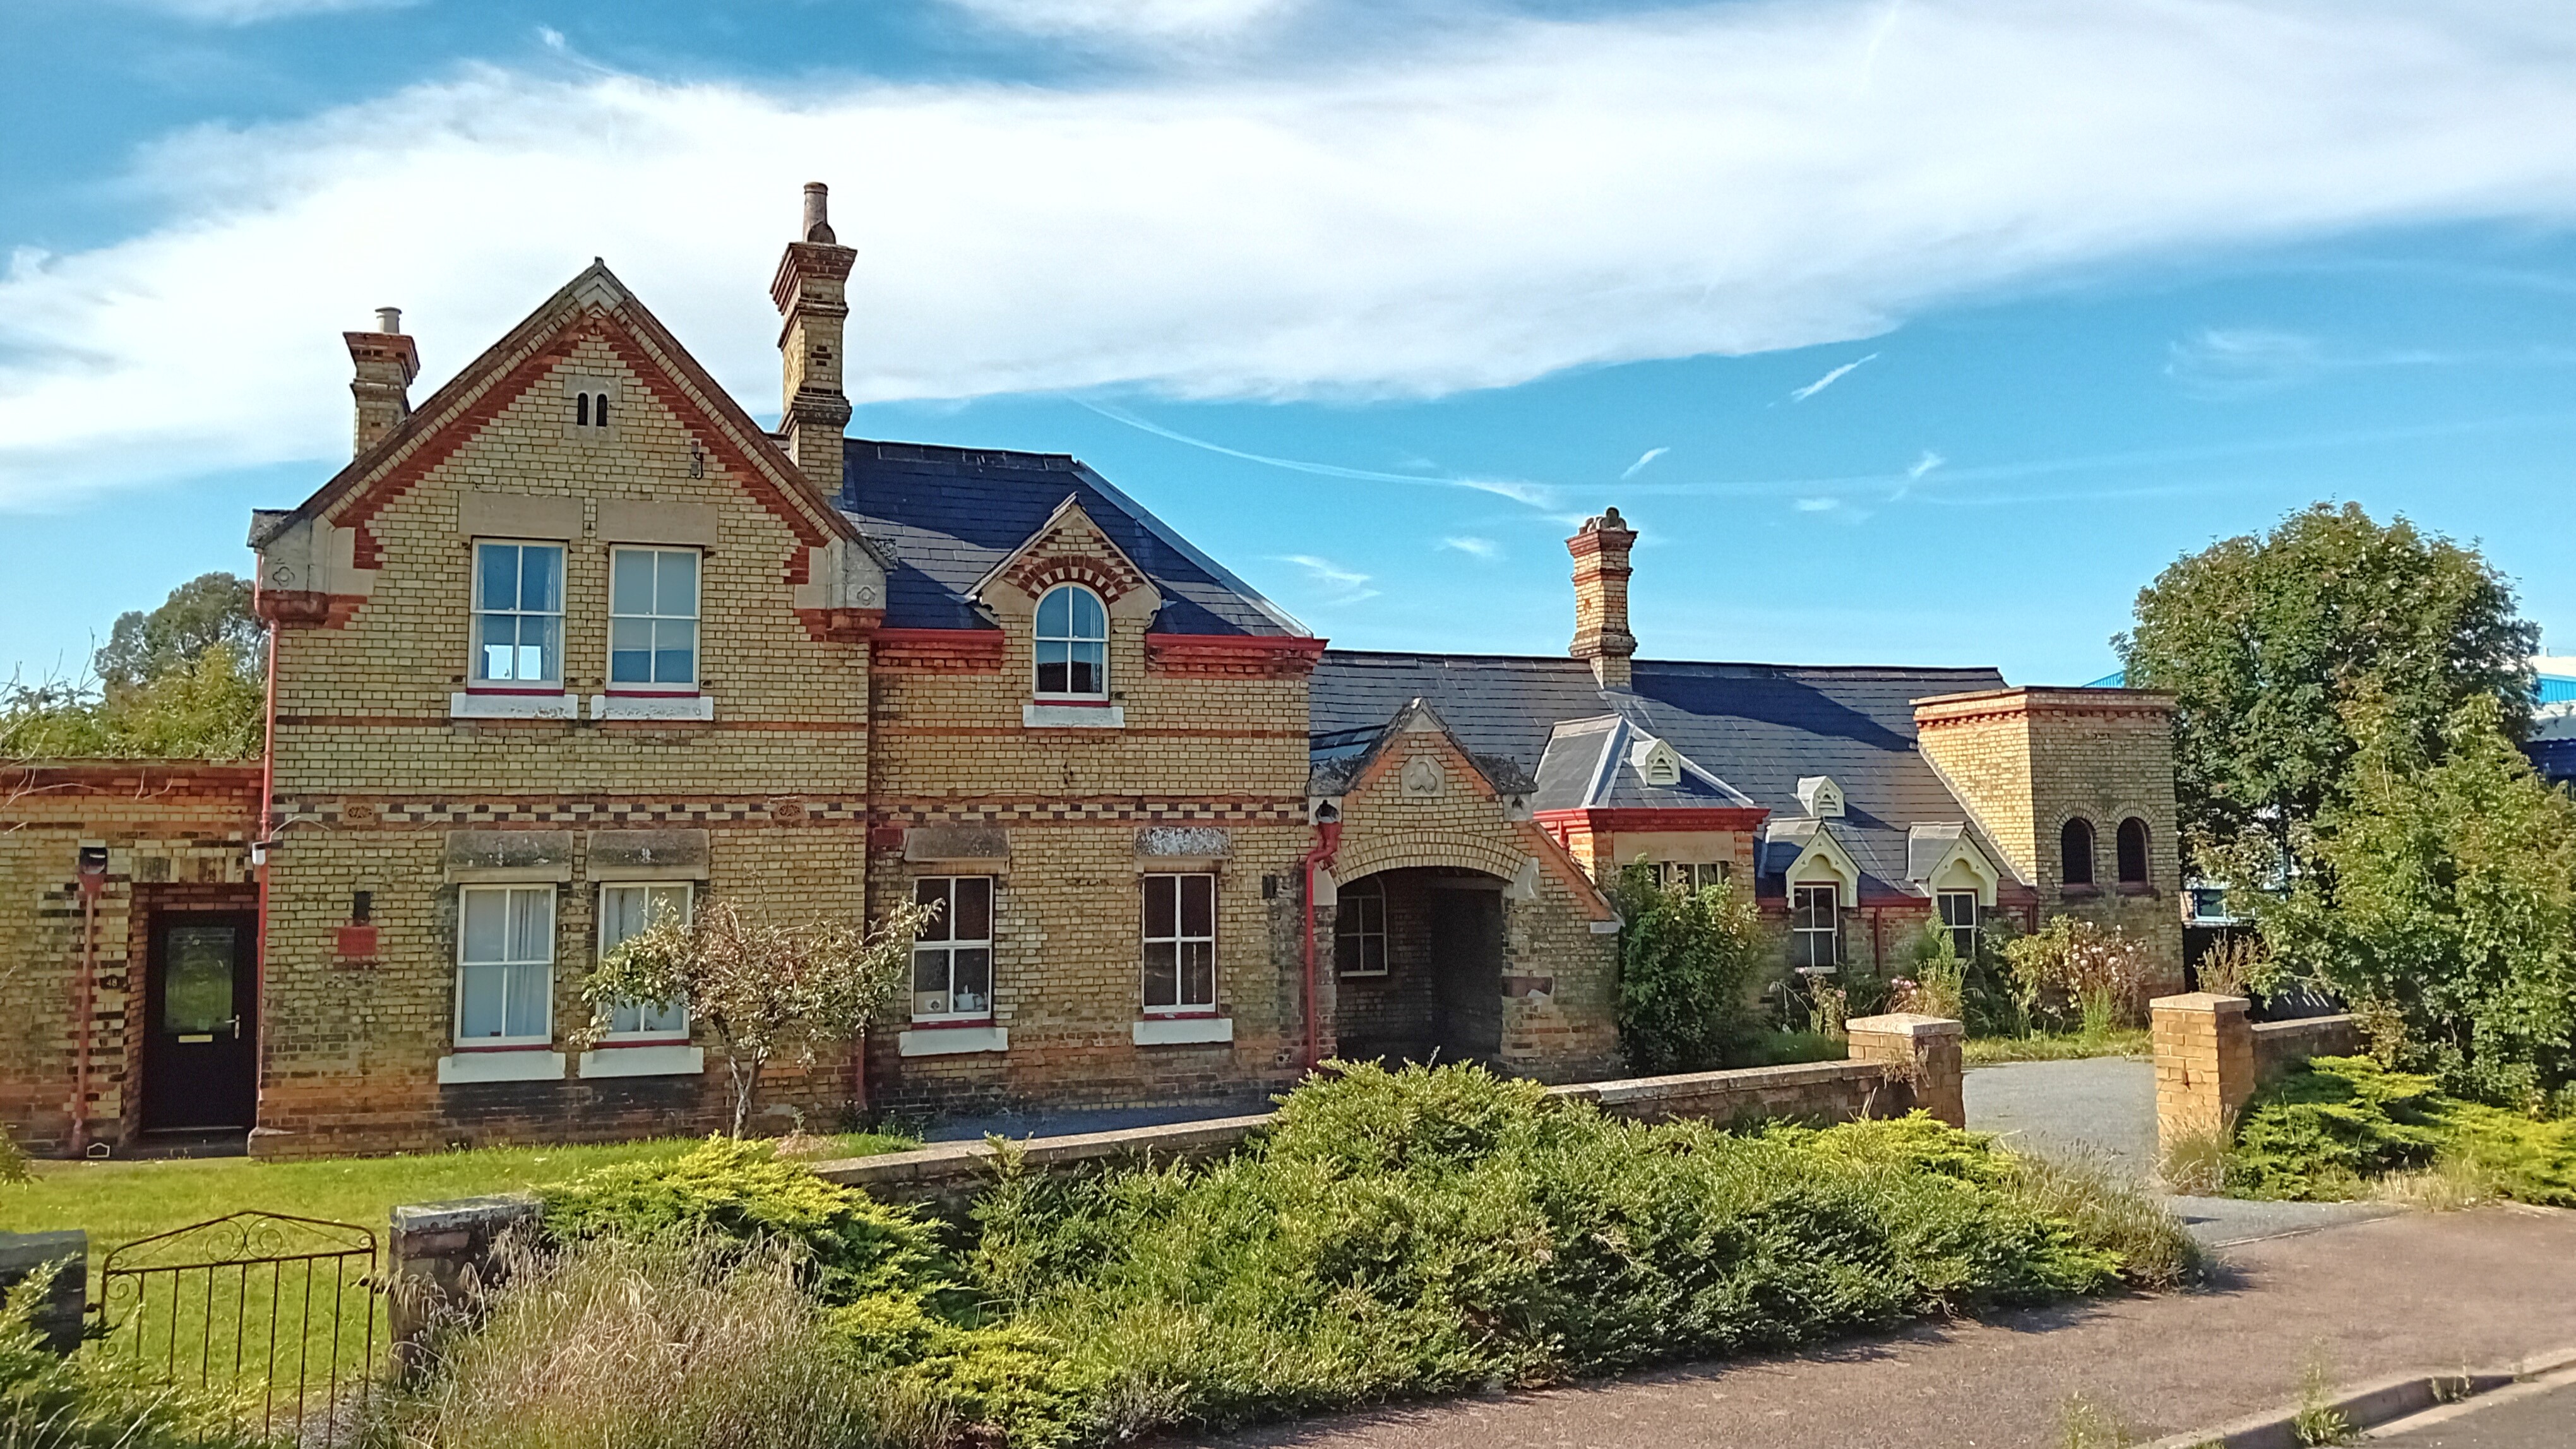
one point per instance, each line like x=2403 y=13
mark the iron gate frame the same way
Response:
x=130 y=1284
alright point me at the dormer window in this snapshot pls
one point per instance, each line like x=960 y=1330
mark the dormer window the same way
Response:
x=1822 y=797
x=1072 y=644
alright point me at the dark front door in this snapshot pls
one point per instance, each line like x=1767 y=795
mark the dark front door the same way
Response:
x=1467 y=972
x=200 y=1050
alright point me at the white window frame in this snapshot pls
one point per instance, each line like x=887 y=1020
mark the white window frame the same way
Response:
x=1691 y=875
x=1359 y=917
x=1179 y=941
x=544 y=965
x=688 y=912
x=1802 y=954
x=654 y=622
x=1039 y=640
x=952 y=943
x=1942 y=904
x=475 y=681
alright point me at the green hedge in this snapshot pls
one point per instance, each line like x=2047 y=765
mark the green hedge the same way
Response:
x=2326 y=1131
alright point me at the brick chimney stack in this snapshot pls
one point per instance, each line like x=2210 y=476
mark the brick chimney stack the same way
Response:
x=812 y=294
x=1600 y=550
x=386 y=362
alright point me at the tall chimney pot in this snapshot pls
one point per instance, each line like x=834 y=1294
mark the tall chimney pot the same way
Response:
x=1600 y=550
x=389 y=320
x=812 y=293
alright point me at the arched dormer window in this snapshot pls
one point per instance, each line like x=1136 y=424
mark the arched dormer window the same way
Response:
x=1072 y=644
x=2132 y=842
x=2075 y=852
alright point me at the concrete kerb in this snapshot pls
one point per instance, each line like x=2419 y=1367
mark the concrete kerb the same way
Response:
x=2373 y=1405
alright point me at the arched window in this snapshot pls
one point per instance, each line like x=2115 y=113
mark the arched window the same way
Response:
x=1073 y=644
x=2075 y=853
x=2133 y=851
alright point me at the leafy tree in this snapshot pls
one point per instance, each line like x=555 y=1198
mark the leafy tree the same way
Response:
x=764 y=991
x=207 y=610
x=2268 y=641
x=1685 y=960
x=2444 y=892
x=211 y=709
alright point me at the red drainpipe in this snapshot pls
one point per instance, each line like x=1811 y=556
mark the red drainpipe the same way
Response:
x=1328 y=838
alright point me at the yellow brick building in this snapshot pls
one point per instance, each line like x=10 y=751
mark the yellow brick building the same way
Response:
x=575 y=640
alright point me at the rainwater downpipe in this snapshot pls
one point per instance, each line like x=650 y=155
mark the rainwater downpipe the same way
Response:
x=1328 y=838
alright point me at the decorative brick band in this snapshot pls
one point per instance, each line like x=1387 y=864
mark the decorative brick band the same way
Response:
x=939 y=651
x=1232 y=656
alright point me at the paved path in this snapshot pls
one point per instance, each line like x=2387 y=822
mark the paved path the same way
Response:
x=2538 y=1415
x=2104 y=1108
x=2421 y=1292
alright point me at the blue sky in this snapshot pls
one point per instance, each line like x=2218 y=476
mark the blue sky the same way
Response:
x=1912 y=331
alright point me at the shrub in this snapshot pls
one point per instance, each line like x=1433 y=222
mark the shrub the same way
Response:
x=14 y=1166
x=1939 y=985
x=2327 y=1131
x=94 y=1398
x=665 y=1341
x=1431 y=1230
x=1686 y=961
x=2072 y=971
x=851 y=1244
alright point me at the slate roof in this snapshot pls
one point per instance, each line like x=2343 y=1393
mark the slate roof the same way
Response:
x=948 y=515
x=1757 y=727
x=1592 y=764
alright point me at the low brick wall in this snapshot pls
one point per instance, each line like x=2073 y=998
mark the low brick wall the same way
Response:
x=2282 y=1045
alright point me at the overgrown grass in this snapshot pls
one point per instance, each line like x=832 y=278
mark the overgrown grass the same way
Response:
x=1774 y=1048
x=1986 y=1051
x=94 y=1399
x=118 y=1202
x=2346 y=1127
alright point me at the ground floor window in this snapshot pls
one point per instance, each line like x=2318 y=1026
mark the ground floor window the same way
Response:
x=1700 y=876
x=1959 y=917
x=1180 y=942
x=1359 y=929
x=505 y=965
x=625 y=910
x=952 y=959
x=1815 y=927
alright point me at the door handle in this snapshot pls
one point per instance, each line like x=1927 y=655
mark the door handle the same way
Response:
x=235 y=1024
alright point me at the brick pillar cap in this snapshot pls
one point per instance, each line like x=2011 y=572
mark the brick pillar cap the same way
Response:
x=1905 y=1023
x=2203 y=1001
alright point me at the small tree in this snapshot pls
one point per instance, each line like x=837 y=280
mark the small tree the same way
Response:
x=765 y=991
x=1685 y=959
x=1939 y=985
x=2078 y=973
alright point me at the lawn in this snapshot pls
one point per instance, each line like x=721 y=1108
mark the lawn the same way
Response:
x=1986 y=1051
x=118 y=1202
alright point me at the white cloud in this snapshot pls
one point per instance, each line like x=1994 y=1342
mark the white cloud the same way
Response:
x=1483 y=548
x=1524 y=197
x=1925 y=464
x=1338 y=584
x=1152 y=20
x=1801 y=394
x=1818 y=505
x=1648 y=456
x=251 y=12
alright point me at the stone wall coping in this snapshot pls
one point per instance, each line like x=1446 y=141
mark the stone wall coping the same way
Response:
x=1906 y=1023
x=1690 y=1084
x=946 y=1161
x=2303 y=1025
x=2201 y=1002
x=464 y=1212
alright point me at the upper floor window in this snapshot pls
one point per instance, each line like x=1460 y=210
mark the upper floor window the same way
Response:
x=1072 y=644
x=2075 y=852
x=1359 y=929
x=1815 y=927
x=1180 y=943
x=1684 y=875
x=518 y=613
x=590 y=409
x=2132 y=850
x=952 y=958
x=1959 y=918
x=653 y=618
x=625 y=910
x=505 y=965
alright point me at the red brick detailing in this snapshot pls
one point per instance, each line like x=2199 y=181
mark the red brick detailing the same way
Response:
x=422 y=445
x=841 y=626
x=354 y=944
x=1107 y=576
x=939 y=651
x=1232 y=656
x=304 y=608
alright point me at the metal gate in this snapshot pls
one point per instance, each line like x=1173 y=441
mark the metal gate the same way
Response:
x=276 y=1314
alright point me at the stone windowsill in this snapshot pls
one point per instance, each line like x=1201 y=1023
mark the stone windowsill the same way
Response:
x=662 y=1059
x=953 y=1041
x=535 y=1064
x=653 y=706
x=469 y=704
x=1183 y=1030
x=1074 y=716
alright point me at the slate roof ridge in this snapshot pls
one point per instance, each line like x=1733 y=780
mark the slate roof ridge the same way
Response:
x=1570 y=662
